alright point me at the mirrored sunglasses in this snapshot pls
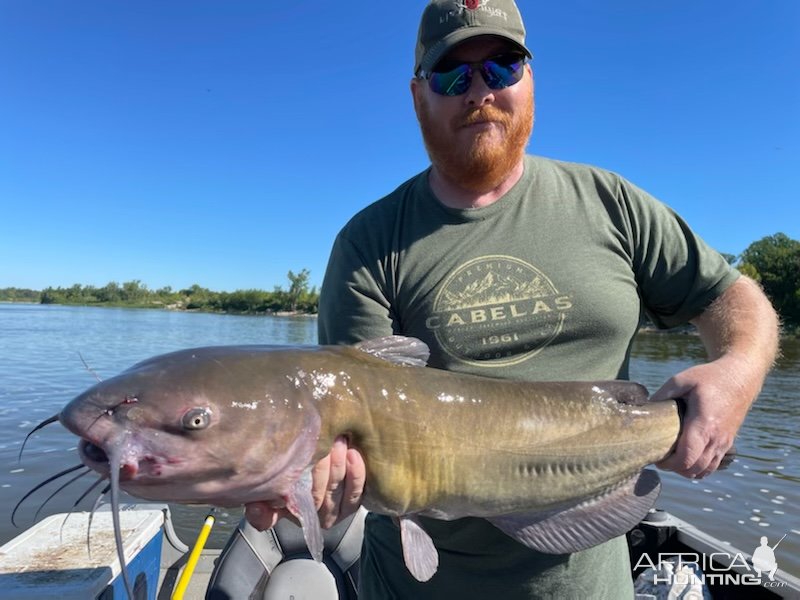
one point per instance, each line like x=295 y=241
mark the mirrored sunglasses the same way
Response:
x=451 y=78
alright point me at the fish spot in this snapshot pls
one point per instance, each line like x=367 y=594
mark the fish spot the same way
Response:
x=450 y=398
x=248 y=405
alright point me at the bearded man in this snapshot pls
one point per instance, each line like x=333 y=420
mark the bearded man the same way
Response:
x=515 y=266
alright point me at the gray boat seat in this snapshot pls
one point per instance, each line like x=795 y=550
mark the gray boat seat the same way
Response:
x=276 y=563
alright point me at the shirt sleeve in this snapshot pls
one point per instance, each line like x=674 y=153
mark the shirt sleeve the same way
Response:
x=678 y=274
x=353 y=305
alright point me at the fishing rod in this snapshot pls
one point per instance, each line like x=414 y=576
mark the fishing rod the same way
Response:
x=778 y=542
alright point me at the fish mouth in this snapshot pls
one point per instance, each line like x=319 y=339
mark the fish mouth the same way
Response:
x=93 y=453
x=96 y=458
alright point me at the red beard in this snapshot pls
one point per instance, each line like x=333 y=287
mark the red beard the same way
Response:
x=482 y=165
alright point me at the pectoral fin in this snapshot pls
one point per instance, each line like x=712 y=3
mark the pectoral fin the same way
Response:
x=419 y=553
x=587 y=524
x=301 y=504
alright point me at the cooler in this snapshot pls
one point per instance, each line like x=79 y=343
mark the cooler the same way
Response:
x=52 y=560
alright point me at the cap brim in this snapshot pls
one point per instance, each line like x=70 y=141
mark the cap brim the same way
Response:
x=443 y=46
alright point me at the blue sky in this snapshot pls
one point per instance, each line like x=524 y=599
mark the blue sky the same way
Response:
x=224 y=143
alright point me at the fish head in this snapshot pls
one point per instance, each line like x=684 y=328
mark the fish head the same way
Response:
x=205 y=426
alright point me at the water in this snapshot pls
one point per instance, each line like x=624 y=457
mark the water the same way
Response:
x=759 y=494
x=41 y=369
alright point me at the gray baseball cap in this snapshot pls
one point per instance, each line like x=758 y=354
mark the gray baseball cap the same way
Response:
x=447 y=23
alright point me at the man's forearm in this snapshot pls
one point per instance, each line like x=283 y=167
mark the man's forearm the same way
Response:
x=742 y=326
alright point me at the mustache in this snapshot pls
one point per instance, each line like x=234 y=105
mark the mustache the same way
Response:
x=483 y=114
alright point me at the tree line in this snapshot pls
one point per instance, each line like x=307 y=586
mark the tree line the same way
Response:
x=773 y=261
x=298 y=298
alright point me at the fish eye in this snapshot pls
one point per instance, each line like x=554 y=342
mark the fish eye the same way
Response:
x=196 y=418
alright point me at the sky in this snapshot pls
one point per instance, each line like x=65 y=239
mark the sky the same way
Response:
x=225 y=143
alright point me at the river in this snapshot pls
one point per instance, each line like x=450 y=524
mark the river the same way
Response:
x=43 y=350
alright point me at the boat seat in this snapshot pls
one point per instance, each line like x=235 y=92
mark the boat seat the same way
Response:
x=276 y=563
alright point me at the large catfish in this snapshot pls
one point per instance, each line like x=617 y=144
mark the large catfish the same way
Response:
x=556 y=466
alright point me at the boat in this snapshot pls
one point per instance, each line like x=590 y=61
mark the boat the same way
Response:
x=55 y=559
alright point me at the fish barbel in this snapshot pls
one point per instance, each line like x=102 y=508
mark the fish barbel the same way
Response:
x=558 y=466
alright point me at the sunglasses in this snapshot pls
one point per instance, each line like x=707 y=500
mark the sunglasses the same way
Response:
x=452 y=78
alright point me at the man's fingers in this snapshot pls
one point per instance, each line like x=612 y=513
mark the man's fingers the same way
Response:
x=261 y=516
x=319 y=480
x=330 y=506
x=353 y=483
x=695 y=456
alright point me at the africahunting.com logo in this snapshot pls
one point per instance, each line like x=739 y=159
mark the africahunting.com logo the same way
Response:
x=688 y=574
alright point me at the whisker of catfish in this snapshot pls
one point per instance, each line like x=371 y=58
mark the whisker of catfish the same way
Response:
x=44 y=423
x=40 y=486
x=114 y=464
x=96 y=505
x=61 y=487
x=75 y=505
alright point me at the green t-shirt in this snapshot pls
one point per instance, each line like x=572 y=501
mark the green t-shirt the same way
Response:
x=550 y=282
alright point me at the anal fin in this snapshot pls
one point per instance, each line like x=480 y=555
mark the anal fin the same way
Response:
x=588 y=523
x=419 y=553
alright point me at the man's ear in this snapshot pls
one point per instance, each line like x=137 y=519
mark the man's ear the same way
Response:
x=416 y=89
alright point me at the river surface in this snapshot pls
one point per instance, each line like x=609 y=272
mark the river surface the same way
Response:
x=43 y=350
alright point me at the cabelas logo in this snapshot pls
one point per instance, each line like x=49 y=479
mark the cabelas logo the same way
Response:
x=497 y=311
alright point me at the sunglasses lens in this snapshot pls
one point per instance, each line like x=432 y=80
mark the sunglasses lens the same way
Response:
x=453 y=82
x=502 y=72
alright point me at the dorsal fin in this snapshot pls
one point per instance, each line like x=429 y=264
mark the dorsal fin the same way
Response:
x=398 y=349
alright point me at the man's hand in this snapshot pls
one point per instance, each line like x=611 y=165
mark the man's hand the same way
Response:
x=716 y=405
x=337 y=486
x=740 y=332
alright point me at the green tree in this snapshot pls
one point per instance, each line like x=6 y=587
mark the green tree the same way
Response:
x=775 y=260
x=14 y=294
x=134 y=291
x=197 y=297
x=298 y=287
x=109 y=292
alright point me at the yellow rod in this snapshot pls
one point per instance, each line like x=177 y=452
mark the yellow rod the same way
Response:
x=188 y=570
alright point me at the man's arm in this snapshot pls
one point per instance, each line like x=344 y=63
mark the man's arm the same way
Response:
x=740 y=333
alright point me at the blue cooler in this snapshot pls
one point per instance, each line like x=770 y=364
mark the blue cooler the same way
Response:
x=52 y=560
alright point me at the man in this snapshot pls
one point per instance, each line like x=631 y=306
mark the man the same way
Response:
x=510 y=265
x=764 y=559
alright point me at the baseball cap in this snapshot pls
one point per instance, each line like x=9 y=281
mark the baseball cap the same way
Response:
x=447 y=23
